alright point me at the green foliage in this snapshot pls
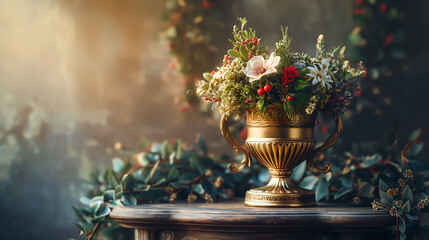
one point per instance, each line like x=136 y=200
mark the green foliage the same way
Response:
x=163 y=172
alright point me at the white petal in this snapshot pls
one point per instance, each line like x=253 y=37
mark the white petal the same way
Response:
x=252 y=79
x=325 y=63
x=315 y=81
x=311 y=74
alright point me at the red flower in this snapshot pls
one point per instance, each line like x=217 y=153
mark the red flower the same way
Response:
x=289 y=74
x=359 y=2
x=388 y=40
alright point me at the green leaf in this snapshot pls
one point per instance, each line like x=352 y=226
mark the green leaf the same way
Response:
x=371 y=160
x=108 y=195
x=166 y=149
x=309 y=182
x=407 y=194
x=298 y=171
x=415 y=134
x=386 y=199
x=401 y=225
x=187 y=177
x=161 y=181
x=129 y=200
x=304 y=72
x=118 y=165
x=288 y=108
x=407 y=207
x=244 y=53
x=102 y=211
x=366 y=190
x=382 y=186
x=415 y=149
x=300 y=84
x=343 y=191
x=196 y=165
x=261 y=103
x=154 y=194
x=198 y=188
x=234 y=53
x=322 y=189
x=346 y=182
x=95 y=206
x=129 y=182
x=173 y=175
x=111 y=179
x=207 y=76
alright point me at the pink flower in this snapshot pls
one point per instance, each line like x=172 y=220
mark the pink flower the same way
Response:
x=258 y=66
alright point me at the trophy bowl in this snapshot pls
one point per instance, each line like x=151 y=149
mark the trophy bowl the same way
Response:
x=280 y=143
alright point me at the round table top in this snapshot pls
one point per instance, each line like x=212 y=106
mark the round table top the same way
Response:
x=234 y=214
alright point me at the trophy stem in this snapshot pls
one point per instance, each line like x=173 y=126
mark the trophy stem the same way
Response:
x=280 y=192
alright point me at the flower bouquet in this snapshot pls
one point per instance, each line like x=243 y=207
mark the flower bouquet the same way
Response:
x=281 y=93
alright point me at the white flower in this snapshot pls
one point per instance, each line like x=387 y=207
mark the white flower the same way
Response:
x=217 y=75
x=320 y=75
x=258 y=66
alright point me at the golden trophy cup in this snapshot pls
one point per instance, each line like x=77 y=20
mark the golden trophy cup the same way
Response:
x=279 y=143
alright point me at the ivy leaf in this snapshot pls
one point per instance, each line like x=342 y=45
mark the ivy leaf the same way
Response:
x=234 y=53
x=166 y=149
x=300 y=84
x=382 y=186
x=407 y=194
x=129 y=182
x=299 y=171
x=346 y=182
x=173 y=175
x=118 y=165
x=309 y=182
x=322 y=189
x=343 y=191
x=207 y=76
x=415 y=149
x=288 y=108
x=371 y=160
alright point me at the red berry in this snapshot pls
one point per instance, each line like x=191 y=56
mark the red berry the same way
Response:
x=229 y=61
x=226 y=57
x=255 y=41
x=253 y=38
x=261 y=91
x=242 y=43
x=213 y=72
x=249 y=55
x=246 y=42
x=268 y=88
x=289 y=98
x=359 y=2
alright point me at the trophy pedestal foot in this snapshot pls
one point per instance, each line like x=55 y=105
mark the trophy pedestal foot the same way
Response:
x=280 y=192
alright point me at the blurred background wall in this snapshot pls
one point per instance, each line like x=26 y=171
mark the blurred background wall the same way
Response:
x=77 y=76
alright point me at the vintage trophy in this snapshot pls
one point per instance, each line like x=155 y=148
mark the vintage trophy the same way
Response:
x=280 y=144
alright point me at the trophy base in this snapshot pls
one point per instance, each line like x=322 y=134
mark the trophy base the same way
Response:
x=279 y=192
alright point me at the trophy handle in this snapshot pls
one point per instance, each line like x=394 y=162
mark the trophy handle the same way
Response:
x=328 y=144
x=234 y=144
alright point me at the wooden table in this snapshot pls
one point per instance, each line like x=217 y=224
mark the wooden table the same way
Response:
x=233 y=220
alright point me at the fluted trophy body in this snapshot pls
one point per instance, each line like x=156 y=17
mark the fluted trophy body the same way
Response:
x=280 y=143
